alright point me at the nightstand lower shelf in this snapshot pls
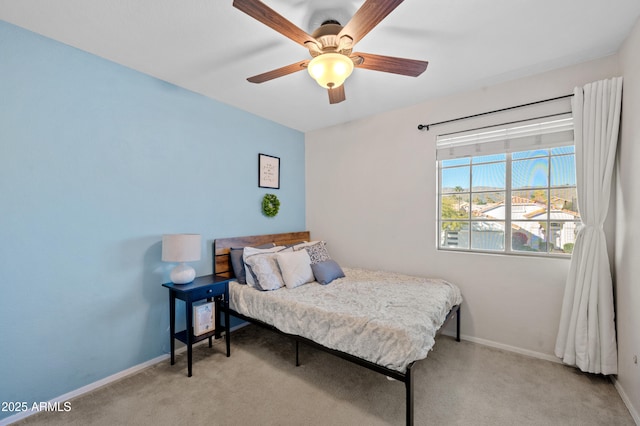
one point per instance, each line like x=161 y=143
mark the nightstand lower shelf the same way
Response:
x=182 y=336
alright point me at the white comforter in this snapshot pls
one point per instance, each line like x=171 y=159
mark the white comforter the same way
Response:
x=387 y=318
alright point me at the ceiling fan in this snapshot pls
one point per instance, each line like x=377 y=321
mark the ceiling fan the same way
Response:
x=331 y=45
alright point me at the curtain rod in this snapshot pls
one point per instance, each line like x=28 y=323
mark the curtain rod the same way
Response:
x=427 y=126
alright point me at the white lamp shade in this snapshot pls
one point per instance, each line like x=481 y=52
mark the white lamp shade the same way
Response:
x=181 y=247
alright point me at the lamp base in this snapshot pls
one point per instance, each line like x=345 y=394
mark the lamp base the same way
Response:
x=182 y=274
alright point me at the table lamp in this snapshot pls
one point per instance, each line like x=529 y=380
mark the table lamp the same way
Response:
x=181 y=248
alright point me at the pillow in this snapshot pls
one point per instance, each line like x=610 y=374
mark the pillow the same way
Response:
x=264 y=270
x=238 y=264
x=317 y=252
x=252 y=251
x=293 y=246
x=295 y=268
x=327 y=271
x=296 y=244
x=303 y=244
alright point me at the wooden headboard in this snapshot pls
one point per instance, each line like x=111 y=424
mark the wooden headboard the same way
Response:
x=222 y=247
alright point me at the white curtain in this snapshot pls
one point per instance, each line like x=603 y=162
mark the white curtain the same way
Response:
x=587 y=336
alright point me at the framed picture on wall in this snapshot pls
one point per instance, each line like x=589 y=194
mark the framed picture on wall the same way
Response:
x=268 y=171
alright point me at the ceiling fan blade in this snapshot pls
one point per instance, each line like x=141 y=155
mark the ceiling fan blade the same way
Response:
x=368 y=16
x=263 y=13
x=336 y=95
x=410 y=67
x=279 y=72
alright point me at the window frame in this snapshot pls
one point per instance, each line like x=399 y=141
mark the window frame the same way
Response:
x=508 y=221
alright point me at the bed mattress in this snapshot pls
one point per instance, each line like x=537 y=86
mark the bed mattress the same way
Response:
x=386 y=318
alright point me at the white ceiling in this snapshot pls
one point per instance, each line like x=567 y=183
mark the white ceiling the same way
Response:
x=209 y=47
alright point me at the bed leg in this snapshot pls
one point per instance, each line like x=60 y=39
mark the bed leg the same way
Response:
x=458 y=325
x=408 y=383
x=297 y=354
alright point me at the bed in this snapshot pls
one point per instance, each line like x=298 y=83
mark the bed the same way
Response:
x=355 y=317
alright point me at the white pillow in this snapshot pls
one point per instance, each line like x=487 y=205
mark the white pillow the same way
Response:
x=294 y=247
x=295 y=268
x=265 y=271
x=252 y=251
x=304 y=244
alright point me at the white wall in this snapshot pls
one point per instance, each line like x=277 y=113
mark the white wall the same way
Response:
x=627 y=250
x=371 y=193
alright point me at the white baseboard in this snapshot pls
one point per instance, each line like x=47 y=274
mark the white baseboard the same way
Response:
x=627 y=401
x=103 y=382
x=552 y=358
x=508 y=348
x=90 y=387
x=98 y=384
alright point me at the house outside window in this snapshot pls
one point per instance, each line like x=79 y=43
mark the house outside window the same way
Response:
x=509 y=190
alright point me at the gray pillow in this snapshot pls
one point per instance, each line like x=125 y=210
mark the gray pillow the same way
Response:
x=327 y=271
x=238 y=264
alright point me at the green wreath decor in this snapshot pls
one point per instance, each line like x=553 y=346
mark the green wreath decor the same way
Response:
x=270 y=205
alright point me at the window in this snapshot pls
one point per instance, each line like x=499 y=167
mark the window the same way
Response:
x=509 y=190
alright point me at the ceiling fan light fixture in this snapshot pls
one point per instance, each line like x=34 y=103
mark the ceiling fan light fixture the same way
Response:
x=330 y=70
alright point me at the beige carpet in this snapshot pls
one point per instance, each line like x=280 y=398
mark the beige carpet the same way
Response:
x=458 y=384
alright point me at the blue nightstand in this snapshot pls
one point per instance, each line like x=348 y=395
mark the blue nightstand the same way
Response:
x=209 y=287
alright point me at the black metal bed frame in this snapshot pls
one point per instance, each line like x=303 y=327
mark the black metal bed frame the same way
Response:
x=222 y=266
x=402 y=377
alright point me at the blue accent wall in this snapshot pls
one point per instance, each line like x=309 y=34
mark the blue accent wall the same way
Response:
x=97 y=161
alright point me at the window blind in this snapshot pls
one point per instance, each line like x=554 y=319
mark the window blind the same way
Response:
x=519 y=137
